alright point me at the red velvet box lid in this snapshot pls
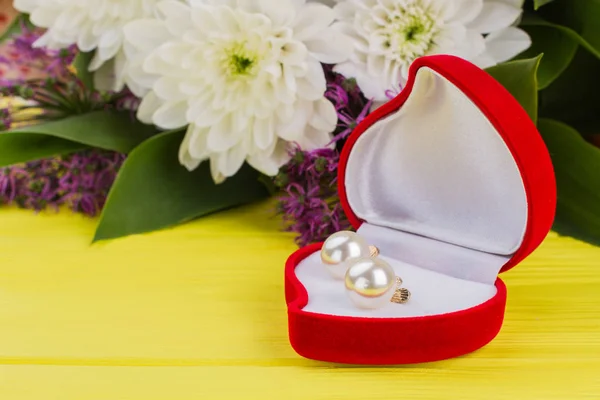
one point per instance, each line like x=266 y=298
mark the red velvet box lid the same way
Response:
x=512 y=123
x=455 y=166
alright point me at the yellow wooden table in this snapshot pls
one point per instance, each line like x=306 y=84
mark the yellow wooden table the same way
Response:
x=198 y=312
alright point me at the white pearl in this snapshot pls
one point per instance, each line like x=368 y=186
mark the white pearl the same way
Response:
x=370 y=283
x=340 y=249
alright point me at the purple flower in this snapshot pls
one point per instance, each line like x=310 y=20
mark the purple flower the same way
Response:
x=25 y=59
x=49 y=82
x=5 y=119
x=351 y=106
x=347 y=123
x=392 y=93
x=309 y=201
x=80 y=181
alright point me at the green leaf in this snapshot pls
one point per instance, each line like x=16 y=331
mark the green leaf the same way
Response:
x=116 y=131
x=558 y=50
x=519 y=77
x=153 y=191
x=577 y=167
x=590 y=42
x=582 y=16
x=539 y=3
x=269 y=184
x=573 y=97
x=16 y=148
x=15 y=27
x=82 y=64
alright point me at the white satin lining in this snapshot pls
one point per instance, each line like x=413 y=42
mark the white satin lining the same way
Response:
x=442 y=197
x=437 y=168
x=432 y=293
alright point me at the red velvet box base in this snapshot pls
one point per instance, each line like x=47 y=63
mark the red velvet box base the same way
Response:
x=386 y=341
x=453 y=183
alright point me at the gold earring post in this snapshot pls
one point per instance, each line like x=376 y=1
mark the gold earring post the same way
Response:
x=374 y=251
x=402 y=295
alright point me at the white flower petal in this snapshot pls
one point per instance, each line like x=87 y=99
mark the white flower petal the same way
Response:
x=328 y=3
x=45 y=16
x=280 y=12
x=505 y=44
x=110 y=76
x=223 y=16
x=264 y=132
x=155 y=64
x=495 y=15
x=222 y=136
x=198 y=143
x=372 y=87
x=280 y=155
x=167 y=61
x=292 y=52
x=513 y=3
x=87 y=41
x=230 y=162
x=26 y=6
x=472 y=45
x=207 y=117
x=462 y=11
x=245 y=74
x=330 y=50
x=312 y=20
x=269 y=163
x=204 y=21
x=314 y=85
x=350 y=33
x=171 y=115
x=177 y=16
x=388 y=35
x=95 y=27
x=185 y=158
x=146 y=33
x=217 y=175
x=484 y=60
x=167 y=88
x=293 y=129
x=315 y=139
x=376 y=65
x=45 y=41
x=104 y=54
x=325 y=117
x=450 y=37
x=150 y=103
x=285 y=111
x=111 y=42
x=345 y=10
x=137 y=79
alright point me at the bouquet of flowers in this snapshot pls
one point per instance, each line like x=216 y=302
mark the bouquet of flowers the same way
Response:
x=151 y=113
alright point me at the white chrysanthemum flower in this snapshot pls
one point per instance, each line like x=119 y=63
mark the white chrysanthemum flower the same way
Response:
x=245 y=75
x=92 y=25
x=390 y=34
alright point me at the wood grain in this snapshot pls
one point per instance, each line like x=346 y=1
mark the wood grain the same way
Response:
x=197 y=312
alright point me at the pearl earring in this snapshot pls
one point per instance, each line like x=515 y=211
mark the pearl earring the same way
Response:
x=371 y=283
x=341 y=248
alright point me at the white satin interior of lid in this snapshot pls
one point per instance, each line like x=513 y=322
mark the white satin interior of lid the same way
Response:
x=438 y=168
x=445 y=258
x=432 y=293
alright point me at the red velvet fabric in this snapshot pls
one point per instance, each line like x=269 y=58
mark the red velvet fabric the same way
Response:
x=509 y=119
x=381 y=341
x=386 y=341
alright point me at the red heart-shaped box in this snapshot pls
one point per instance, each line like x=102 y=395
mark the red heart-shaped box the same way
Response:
x=453 y=183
